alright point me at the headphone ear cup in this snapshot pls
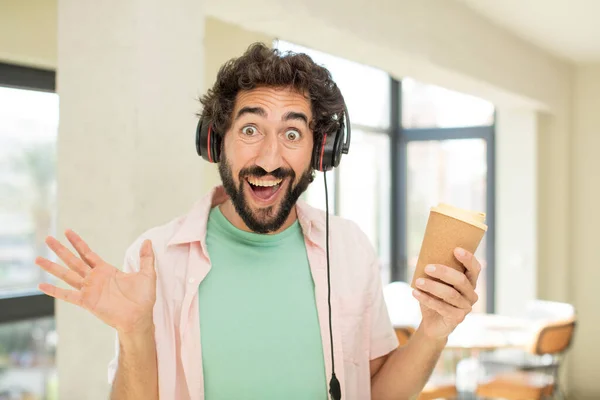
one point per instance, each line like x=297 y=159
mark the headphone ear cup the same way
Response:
x=327 y=154
x=215 y=146
x=323 y=152
x=338 y=145
x=208 y=142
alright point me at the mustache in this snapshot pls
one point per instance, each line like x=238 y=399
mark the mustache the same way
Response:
x=259 y=172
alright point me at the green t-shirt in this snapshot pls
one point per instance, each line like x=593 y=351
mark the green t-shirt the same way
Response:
x=260 y=330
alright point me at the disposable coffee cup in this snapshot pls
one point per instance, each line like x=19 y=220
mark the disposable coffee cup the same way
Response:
x=447 y=228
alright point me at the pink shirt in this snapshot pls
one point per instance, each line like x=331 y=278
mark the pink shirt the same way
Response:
x=362 y=330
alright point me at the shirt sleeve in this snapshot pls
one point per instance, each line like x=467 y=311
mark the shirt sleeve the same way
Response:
x=130 y=264
x=383 y=336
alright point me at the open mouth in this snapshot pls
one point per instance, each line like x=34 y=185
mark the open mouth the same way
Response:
x=264 y=189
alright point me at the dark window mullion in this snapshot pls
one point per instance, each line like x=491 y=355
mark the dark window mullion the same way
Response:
x=33 y=305
x=491 y=221
x=398 y=259
x=20 y=77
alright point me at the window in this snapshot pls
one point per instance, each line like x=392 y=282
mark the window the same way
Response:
x=28 y=129
x=28 y=359
x=364 y=190
x=452 y=171
x=448 y=142
x=430 y=106
x=28 y=132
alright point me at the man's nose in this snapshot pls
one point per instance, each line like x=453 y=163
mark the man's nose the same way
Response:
x=269 y=156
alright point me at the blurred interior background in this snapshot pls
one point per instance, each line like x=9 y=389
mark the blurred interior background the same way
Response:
x=487 y=105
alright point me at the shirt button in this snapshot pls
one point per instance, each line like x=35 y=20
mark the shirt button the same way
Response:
x=191 y=280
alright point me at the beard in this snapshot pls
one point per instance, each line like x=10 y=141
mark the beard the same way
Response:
x=266 y=219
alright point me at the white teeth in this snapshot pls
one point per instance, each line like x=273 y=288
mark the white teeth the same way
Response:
x=260 y=182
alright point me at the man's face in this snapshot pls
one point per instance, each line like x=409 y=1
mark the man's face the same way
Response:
x=265 y=164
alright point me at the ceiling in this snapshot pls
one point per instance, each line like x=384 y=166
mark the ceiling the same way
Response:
x=566 y=28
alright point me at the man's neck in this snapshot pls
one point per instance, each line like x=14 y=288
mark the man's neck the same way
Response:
x=229 y=212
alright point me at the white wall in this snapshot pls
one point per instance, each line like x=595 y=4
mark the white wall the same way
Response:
x=516 y=217
x=28 y=32
x=584 y=266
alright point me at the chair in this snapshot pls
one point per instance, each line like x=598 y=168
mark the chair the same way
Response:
x=552 y=339
x=517 y=385
x=540 y=311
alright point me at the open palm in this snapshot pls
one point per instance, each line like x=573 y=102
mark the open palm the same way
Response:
x=123 y=301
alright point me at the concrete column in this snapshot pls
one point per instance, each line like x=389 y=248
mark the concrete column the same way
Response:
x=129 y=74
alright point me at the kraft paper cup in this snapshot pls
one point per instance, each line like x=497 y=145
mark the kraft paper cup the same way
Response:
x=447 y=228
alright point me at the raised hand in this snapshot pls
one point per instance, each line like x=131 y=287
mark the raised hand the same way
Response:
x=453 y=297
x=123 y=301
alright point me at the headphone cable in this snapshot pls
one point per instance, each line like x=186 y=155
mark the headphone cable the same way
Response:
x=334 y=385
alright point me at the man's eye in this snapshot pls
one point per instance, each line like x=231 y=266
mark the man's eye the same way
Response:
x=292 y=135
x=249 y=130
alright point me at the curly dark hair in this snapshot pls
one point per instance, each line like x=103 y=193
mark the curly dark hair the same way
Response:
x=262 y=66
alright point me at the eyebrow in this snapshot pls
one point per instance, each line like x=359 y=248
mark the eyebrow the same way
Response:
x=292 y=115
x=251 y=110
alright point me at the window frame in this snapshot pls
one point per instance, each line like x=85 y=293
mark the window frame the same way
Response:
x=31 y=303
x=400 y=138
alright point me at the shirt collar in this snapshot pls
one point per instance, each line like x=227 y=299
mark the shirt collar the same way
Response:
x=193 y=226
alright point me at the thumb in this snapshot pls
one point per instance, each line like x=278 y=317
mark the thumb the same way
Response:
x=147 y=257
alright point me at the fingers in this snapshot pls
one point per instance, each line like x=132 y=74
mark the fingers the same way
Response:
x=66 y=275
x=67 y=257
x=86 y=254
x=147 y=258
x=454 y=278
x=471 y=264
x=444 y=292
x=70 y=296
x=456 y=315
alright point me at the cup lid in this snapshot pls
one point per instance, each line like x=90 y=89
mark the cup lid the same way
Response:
x=468 y=216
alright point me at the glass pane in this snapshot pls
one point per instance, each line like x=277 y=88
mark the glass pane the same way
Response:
x=430 y=106
x=28 y=359
x=366 y=89
x=449 y=171
x=315 y=194
x=28 y=130
x=364 y=190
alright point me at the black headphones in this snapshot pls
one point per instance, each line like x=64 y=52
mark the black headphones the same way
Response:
x=326 y=154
